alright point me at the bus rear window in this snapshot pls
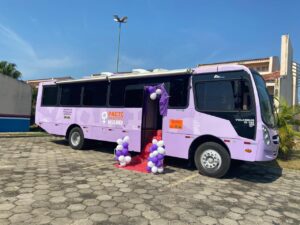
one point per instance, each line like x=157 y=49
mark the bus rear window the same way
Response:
x=49 y=97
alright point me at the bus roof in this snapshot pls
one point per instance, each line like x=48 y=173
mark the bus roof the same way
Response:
x=130 y=75
x=198 y=70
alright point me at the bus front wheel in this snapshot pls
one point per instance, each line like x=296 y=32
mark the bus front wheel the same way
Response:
x=76 y=138
x=212 y=159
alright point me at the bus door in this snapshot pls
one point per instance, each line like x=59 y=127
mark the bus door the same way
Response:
x=151 y=119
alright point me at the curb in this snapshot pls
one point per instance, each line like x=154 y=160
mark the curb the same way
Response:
x=23 y=134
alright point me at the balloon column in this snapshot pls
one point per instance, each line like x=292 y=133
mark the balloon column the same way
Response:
x=154 y=93
x=156 y=157
x=121 y=151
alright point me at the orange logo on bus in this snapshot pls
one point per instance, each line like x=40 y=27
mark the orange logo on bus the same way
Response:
x=176 y=124
x=116 y=115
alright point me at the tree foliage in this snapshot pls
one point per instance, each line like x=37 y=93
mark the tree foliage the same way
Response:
x=9 y=69
x=287 y=122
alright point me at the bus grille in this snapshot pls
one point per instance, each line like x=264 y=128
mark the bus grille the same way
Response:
x=275 y=139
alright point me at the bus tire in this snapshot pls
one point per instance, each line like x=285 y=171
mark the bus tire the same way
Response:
x=76 y=138
x=212 y=159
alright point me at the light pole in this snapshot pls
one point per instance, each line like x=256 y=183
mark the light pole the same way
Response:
x=120 y=21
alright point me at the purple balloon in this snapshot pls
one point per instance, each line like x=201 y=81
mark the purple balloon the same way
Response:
x=159 y=163
x=125 y=151
x=117 y=158
x=125 y=145
x=118 y=153
x=151 y=89
x=148 y=168
x=154 y=159
x=160 y=156
x=154 y=147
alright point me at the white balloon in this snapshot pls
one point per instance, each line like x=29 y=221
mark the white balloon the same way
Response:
x=119 y=147
x=160 y=169
x=127 y=159
x=121 y=158
x=120 y=141
x=154 y=141
x=151 y=155
x=150 y=164
x=155 y=153
x=161 y=150
x=154 y=169
x=158 y=91
x=122 y=163
x=153 y=96
x=160 y=143
x=126 y=139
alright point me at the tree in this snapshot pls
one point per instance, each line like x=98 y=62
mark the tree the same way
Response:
x=287 y=120
x=9 y=69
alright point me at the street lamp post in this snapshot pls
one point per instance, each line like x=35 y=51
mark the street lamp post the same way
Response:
x=120 y=21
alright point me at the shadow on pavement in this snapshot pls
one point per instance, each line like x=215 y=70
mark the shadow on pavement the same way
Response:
x=255 y=172
x=247 y=171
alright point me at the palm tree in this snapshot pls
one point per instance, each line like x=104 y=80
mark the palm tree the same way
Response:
x=9 y=69
x=287 y=120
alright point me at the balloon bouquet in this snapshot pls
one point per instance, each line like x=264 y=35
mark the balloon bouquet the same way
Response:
x=154 y=93
x=156 y=157
x=121 y=151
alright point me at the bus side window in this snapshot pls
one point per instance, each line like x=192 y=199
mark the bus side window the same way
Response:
x=94 y=94
x=223 y=95
x=70 y=95
x=116 y=95
x=134 y=95
x=245 y=95
x=178 y=92
x=49 y=97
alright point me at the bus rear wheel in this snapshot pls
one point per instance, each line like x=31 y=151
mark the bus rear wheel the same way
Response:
x=76 y=138
x=212 y=159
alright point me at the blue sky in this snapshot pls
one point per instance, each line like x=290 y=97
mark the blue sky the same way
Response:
x=50 y=38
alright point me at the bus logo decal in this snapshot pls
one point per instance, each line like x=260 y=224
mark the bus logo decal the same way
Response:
x=112 y=118
x=176 y=124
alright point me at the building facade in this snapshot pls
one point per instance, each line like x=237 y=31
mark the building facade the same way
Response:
x=15 y=105
x=281 y=76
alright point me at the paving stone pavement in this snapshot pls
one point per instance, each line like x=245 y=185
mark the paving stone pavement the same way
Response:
x=43 y=181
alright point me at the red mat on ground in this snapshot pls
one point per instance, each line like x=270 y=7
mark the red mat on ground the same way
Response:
x=139 y=163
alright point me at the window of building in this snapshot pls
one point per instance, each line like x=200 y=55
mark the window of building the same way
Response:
x=225 y=95
x=94 y=93
x=49 y=97
x=70 y=94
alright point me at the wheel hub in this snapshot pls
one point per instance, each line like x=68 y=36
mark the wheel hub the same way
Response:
x=211 y=159
x=75 y=138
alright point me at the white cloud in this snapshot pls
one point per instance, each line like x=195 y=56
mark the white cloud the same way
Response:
x=21 y=52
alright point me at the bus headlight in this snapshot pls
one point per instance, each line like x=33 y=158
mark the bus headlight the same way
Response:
x=266 y=135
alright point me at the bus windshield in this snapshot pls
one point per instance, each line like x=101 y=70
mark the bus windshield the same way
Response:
x=264 y=100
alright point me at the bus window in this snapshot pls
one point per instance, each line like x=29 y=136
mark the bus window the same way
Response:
x=134 y=95
x=94 y=94
x=49 y=97
x=116 y=95
x=70 y=95
x=178 y=92
x=223 y=95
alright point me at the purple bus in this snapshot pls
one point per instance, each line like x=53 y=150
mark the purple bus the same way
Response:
x=215 y=114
